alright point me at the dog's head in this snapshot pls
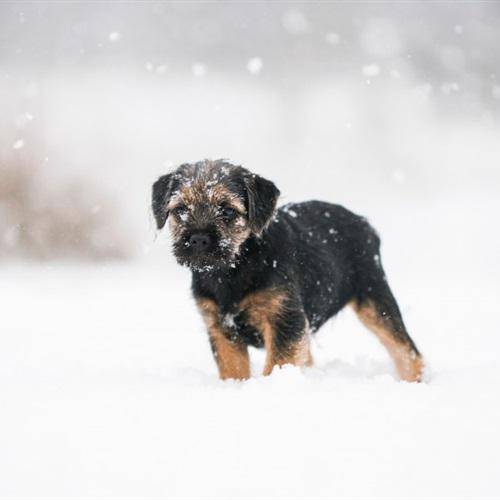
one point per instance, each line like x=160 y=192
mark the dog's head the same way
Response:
x=212 y=207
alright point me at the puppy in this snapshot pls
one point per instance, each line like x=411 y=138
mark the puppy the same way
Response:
x=270 y=278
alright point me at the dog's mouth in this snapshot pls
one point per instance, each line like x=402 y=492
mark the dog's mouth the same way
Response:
x=214 y=258
x=205 y=263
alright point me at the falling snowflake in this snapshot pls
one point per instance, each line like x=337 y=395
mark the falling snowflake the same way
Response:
x=332 y=38
x=114 y=36
x=449 y=87
x=295 y=22
x=398 y=175
x=371 y=70
x=199 y=70
x=254 y=65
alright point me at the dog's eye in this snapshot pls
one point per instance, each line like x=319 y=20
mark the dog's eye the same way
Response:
x=228 y=213
x=179 y=210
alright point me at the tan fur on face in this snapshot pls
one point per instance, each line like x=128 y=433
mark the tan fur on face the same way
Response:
x=263 y=309
x=203 y=196
x=408 y=363
x=202 y=192
x=231 y=357
x=205 y=186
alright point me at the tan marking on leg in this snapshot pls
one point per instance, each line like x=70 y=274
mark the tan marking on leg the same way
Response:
x=231 y=357
x=409 y=364
x=302 y=355
x=263 y=309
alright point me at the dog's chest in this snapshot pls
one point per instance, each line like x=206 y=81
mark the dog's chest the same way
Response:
x=239 y=329
x=231 y=294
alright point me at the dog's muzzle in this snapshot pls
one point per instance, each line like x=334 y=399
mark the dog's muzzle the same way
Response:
x=200 y=243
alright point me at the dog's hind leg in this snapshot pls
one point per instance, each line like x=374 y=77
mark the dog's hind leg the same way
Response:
x=280 y=319
x=295 y=352
x=378 y=310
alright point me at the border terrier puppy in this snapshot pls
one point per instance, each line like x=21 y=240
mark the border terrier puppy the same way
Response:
x=270 y=278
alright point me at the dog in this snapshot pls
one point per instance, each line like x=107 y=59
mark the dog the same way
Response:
x=269 y=277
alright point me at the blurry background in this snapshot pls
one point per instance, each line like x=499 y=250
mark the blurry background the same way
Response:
x=375 y=105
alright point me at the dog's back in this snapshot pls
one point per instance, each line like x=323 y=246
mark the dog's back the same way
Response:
x=340 y=250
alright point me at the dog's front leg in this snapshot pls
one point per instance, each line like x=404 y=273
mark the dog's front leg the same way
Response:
x=230 y=355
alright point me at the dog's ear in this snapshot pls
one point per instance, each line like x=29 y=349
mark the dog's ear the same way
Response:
x=262 y=196
x=162 y=191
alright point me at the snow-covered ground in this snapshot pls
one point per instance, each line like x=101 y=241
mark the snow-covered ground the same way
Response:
x=108 y=387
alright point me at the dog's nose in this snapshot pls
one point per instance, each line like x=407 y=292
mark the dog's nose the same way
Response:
x=199 y=242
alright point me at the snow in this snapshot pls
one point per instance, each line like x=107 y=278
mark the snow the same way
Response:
x=199 y=69
x=254 y=65
x=452 y=57
x=18 y=144
x=371 y=70
x=295 y=22
x=398 y=175
x=449 y=87
x=395 y=73
x=381 y=38
x=290 y=212
x=332 y=38
x=108 y=386
x=114 y=36
x=161 y=69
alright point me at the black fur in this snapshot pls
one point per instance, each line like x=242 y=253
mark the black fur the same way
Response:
x=161 y=191
x=261 y=197
x=325 y=261
x=321 y=254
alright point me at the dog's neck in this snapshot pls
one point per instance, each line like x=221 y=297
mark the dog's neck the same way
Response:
x=230 y=283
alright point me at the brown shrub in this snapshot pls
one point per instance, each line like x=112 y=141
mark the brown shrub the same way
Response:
x=38 y=220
